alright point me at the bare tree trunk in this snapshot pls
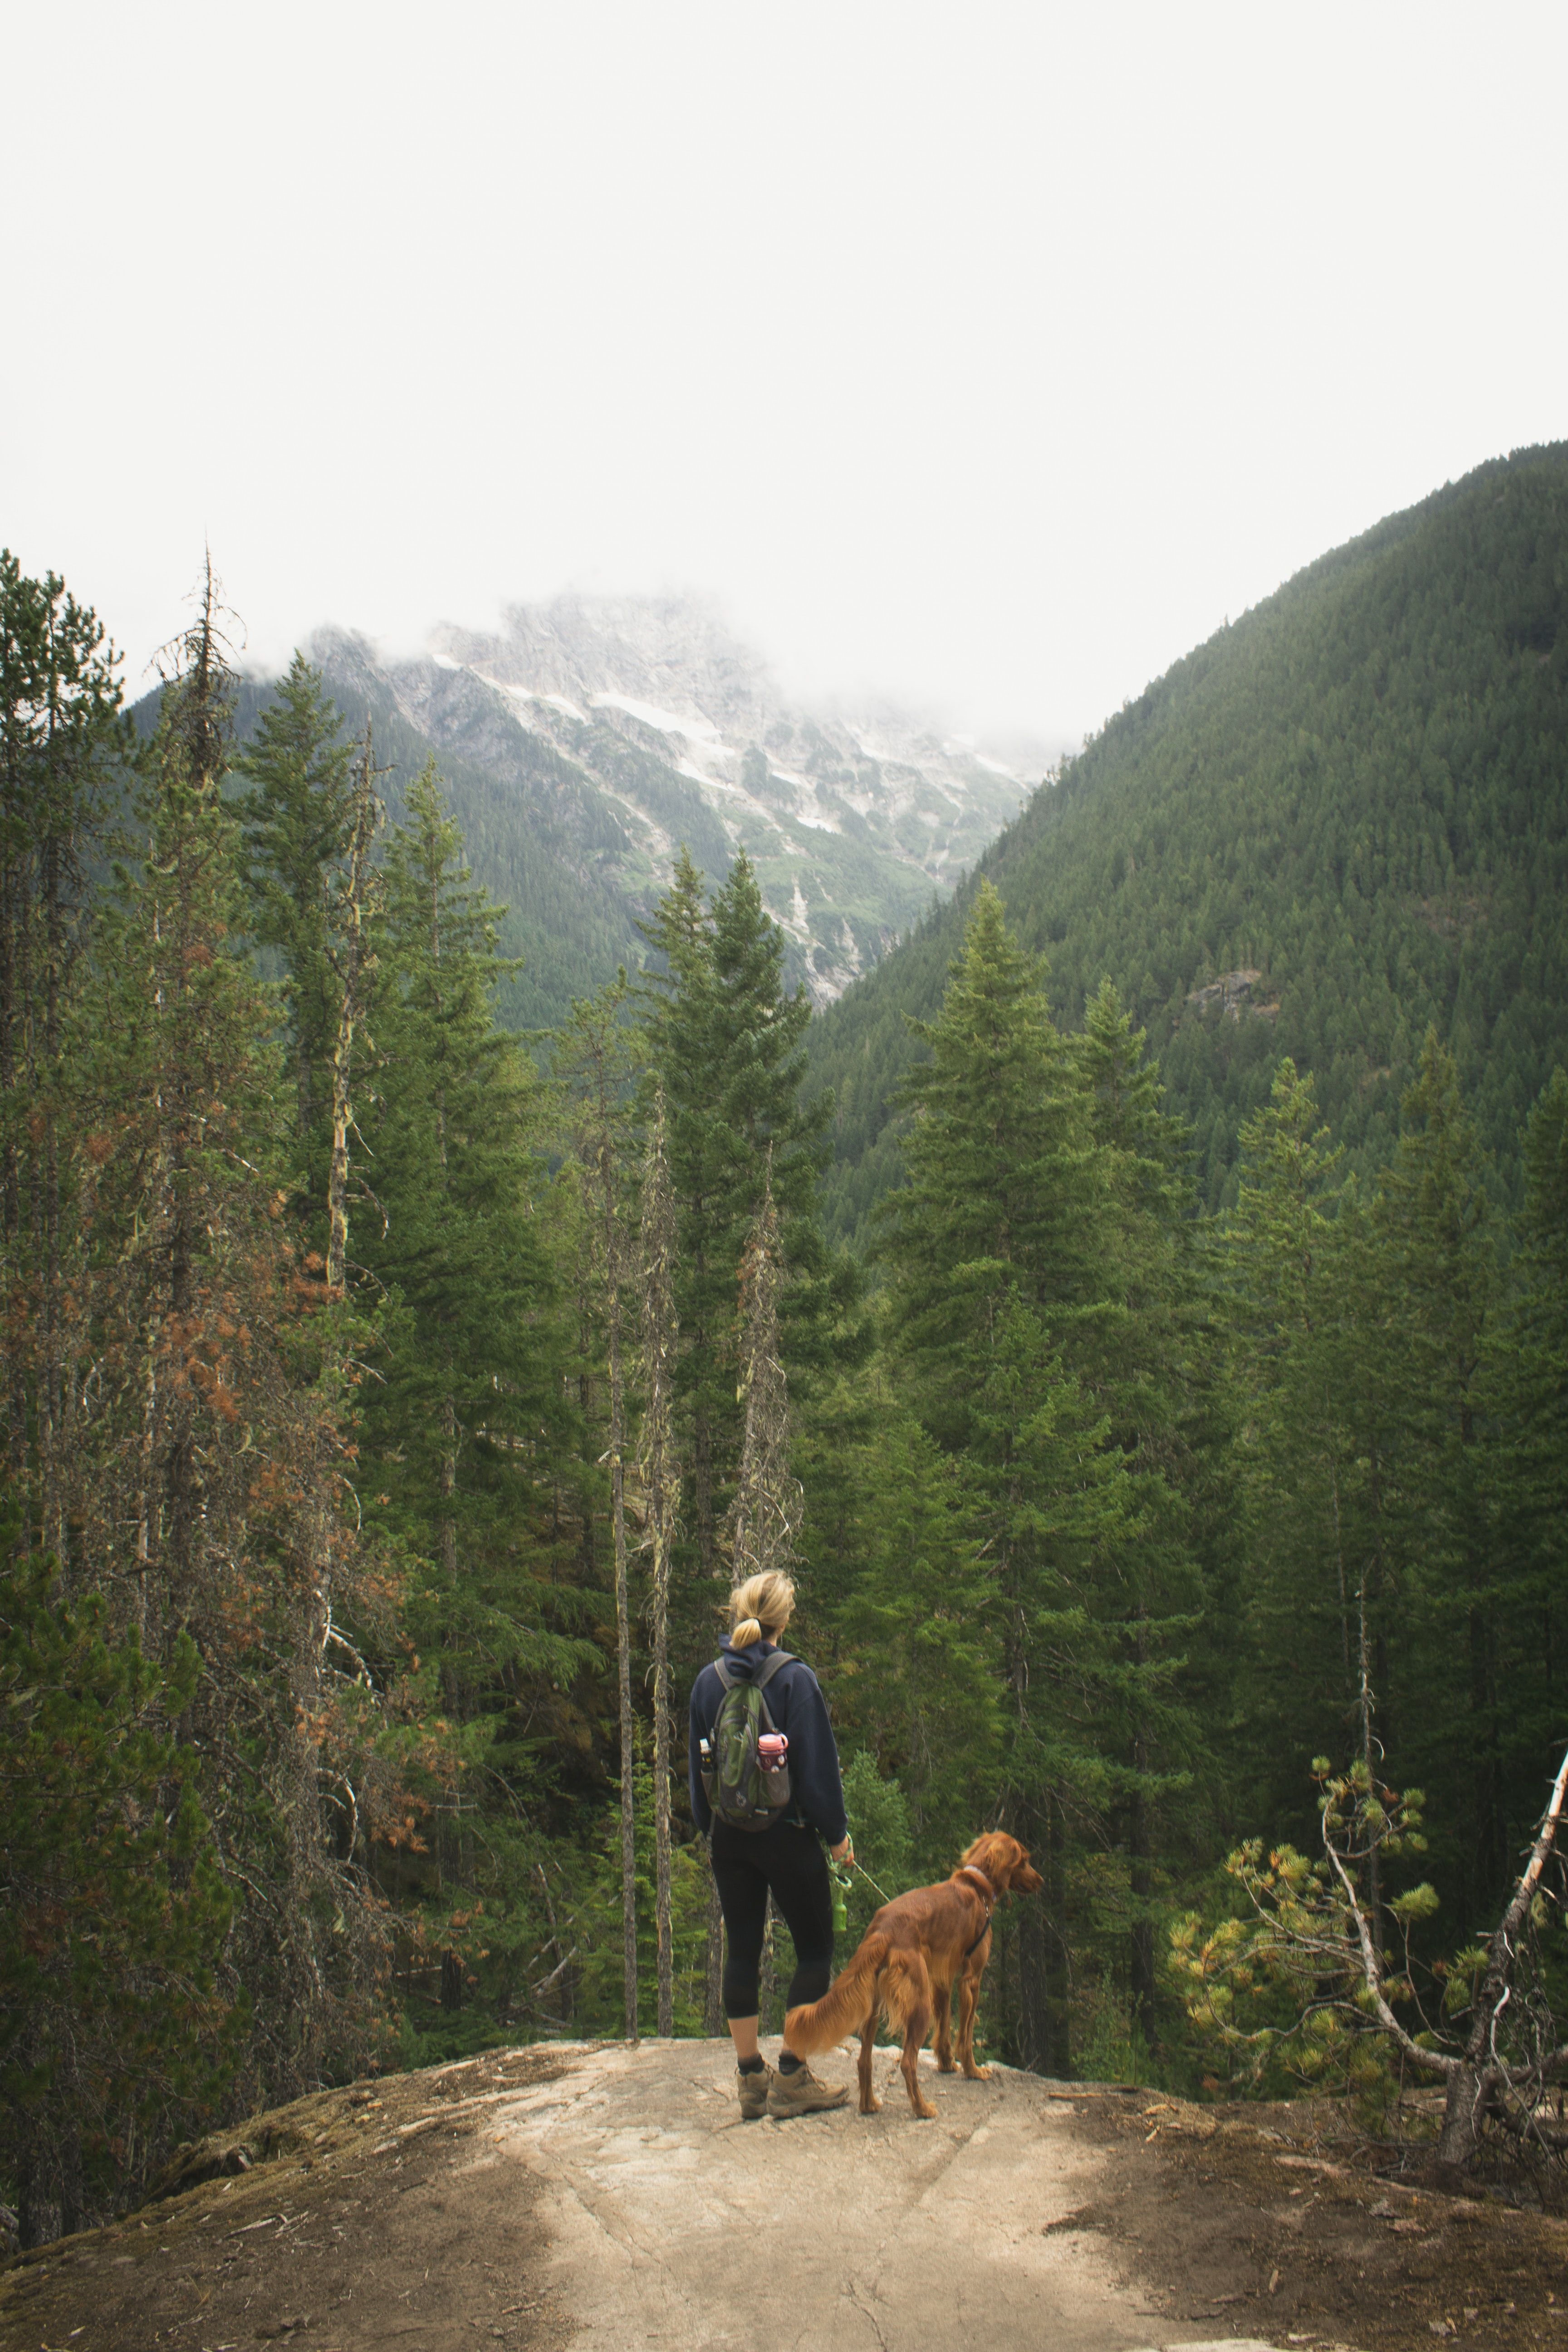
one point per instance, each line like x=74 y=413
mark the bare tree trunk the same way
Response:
x=448 y=1485
x=768 y=1989
x=714 y=1989
x=766 y=1509
x=661 y=1487
x=1142 y=1884
x=1474 y=2082
x=351 y=903
x=661 y=1743
x=624 y=1664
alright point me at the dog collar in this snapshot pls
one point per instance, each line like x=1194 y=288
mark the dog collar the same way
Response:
x=970 y=1870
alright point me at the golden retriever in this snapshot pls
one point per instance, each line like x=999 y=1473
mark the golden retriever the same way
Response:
x=914 y=1954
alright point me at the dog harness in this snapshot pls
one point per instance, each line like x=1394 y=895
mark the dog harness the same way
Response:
x=969 y=1870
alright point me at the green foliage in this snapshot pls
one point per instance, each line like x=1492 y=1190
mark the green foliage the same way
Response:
x=297 y=816
x=1276 y=1990
x=114 y=2035
x=879 y=1823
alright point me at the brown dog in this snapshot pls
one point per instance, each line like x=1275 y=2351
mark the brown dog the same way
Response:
x=914 y=1952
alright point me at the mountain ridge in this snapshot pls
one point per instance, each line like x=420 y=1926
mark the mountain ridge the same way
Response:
x=634 y=725
x=1351 y=805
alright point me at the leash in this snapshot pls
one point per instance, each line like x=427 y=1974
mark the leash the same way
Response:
x=838 y=1870
x=871 y=1882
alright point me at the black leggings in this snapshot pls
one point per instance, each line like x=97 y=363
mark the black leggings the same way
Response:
x=788 y=1862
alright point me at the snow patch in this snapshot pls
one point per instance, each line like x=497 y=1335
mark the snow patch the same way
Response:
x=530 y=694
x=445 y=661
x=696 y=729
x=710 y=783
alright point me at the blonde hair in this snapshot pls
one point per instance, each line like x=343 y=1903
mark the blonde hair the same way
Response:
x=761 y=1608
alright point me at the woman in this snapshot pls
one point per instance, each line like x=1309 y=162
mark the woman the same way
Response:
x=785 y=1859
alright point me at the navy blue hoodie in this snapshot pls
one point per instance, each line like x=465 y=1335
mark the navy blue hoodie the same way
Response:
x=795 y=1701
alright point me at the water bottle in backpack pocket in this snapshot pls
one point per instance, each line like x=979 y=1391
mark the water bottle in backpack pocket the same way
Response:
x=745 y=1761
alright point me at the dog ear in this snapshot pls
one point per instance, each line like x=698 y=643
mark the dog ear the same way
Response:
x=990 y=1853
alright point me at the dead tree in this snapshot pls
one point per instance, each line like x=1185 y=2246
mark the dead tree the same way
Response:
x=660 y=1468
x=765 y=1513
x=1495 y=2074
x=351 y=894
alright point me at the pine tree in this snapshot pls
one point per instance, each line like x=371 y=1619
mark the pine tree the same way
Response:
x=457 y=1170
x=1440 y=1270
x=1155 y=1373
x=1525 y=1474
x=66 y=760
x=465 y=1425
x=726 y=1043
x=210 y=1492
x=991 y=1250
x=299 y=817
x=114 y=2036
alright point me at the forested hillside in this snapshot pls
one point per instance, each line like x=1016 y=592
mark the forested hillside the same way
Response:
x=562 y=929
x=1341 y=819
x=388 y=1410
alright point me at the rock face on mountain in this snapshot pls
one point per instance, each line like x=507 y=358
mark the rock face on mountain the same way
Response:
x=622 y=728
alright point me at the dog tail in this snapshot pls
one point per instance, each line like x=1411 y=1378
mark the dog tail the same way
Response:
x=845 y=2006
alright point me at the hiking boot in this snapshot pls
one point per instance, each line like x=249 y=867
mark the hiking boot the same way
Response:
x=754 y=2089
x=800 y=2094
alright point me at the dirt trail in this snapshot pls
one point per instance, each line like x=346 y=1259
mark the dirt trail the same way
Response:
x=671 y=2223
x=596 y=2198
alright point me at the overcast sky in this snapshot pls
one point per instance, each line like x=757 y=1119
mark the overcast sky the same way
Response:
x=988 y=353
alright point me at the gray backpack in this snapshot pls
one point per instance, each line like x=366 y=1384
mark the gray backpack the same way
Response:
x=737 y=1785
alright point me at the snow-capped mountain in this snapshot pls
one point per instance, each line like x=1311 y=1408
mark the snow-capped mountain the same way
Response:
x=624 y=727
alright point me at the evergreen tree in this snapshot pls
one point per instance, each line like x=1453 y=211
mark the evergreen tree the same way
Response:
x=1439 y=1272
x=298 y=819
x=991 y=1255
x=65 y=764
x=726 y=1043
x=114 y=1911
x=209 y=1494
x=465 y=1423
x=1525 y=1474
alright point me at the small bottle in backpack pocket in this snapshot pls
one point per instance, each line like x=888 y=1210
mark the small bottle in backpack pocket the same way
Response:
x=773 y=1748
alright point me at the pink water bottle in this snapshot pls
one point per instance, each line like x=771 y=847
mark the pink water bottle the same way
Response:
x=772 y=1746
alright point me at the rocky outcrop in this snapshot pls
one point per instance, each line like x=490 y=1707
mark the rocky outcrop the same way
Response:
x=1232 y=996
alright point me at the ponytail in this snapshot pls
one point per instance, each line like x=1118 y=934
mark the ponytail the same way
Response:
x=761 y=1609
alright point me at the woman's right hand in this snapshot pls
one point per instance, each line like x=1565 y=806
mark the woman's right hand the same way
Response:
x=844 y=1851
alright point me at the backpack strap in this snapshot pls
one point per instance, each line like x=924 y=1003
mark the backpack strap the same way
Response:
x=730 y=1679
